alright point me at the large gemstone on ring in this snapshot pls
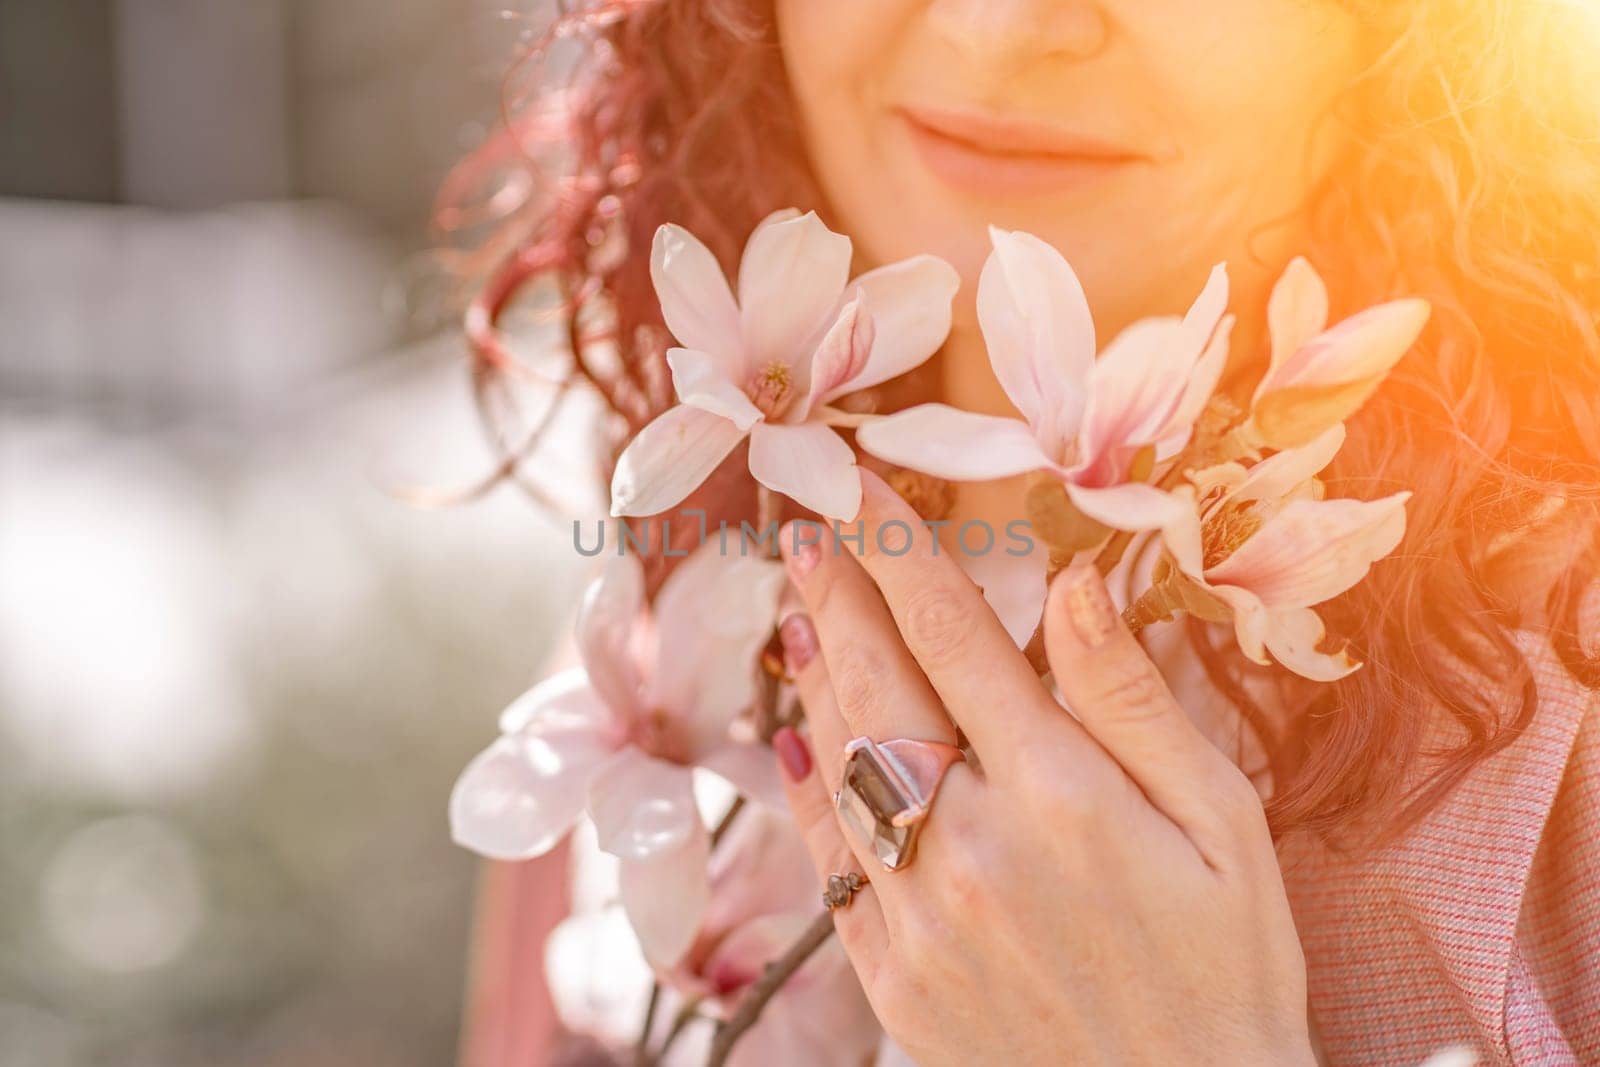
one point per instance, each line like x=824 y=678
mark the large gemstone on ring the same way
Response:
x=873 y=801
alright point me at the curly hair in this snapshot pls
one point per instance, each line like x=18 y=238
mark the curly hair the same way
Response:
x=1474 y=182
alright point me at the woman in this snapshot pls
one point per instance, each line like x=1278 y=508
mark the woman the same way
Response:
x=1421 y=872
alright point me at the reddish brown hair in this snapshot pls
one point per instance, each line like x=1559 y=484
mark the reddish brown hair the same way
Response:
x=1475 y=184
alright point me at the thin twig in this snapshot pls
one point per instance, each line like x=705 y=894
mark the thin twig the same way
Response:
x=641 y=1047
x=764 y=988
x=727 y=820
x=686 y=1015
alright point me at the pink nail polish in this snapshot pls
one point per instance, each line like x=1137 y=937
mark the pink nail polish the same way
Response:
x=1089 y=606
x=799 y=639
x=803 y=559
x=794 y=755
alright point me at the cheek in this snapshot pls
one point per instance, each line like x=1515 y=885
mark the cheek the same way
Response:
x=841 y=57
x=1252 y=103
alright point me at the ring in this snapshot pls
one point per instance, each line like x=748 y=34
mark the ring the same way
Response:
x=842 y=889
x=886 y=791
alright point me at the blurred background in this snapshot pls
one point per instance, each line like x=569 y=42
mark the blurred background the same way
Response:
x=237 y=674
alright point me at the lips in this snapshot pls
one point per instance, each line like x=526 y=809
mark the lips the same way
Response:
x=997 y=155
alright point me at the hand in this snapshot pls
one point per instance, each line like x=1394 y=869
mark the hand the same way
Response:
x=1104 y=890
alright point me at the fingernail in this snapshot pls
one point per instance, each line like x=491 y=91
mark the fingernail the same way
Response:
x=794 y=755
x=799 y=639
x=802 y=555
x=1089 y=606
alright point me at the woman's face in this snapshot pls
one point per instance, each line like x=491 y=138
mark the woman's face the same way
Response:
x=1146 y=139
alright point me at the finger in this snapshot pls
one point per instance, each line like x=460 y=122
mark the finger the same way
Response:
x=985 y=683
x=860 y=924
x=1119 y=696
x=878 y=688
x=829 y=732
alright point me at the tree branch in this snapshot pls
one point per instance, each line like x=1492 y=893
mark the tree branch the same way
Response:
x=764 y=988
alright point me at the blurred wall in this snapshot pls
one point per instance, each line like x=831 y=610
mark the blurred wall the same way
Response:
x=237 y=674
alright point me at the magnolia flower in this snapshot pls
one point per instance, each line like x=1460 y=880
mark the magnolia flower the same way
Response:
x=1263 y=547
x=1087 y=421
x=618 y=737
x=765 y=367
x=1319 y=377
x=763 y=895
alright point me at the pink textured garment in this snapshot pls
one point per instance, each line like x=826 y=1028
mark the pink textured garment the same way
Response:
x=1481 y=927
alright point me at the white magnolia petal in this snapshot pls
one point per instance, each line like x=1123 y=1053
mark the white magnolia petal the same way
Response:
x=790 y=281
x=608 y=619
x=1292 y=636
x=642 y=806
x=910 y=305
x=808 y=463
x=665 y=896
x=1135 y=389
x=1297 y=310
x=950 y=443
x=669 y=459
x=519 y=796
x=1313 y=550
x=1363 y=347
x=1133 y=506
x=714 y=614
x=1250 y=621
x=750 y=768
x=1036 y=323
x=840 y=357
x=1280 y=474
x=699 y=380
x=695 y=299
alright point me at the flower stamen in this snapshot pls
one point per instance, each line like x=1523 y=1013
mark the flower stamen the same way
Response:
x=770 y=388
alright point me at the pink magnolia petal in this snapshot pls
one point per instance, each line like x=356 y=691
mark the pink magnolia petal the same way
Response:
x=1205 y=314
x=808 y=463
x=665 y=895
x=669 y=458
x=1134 y=390
x=642 y=806
x=1313 y=550
x=840 y=357
x=565 y=700
x=607 y=622
x=1297 y=310
x=1133 y=506
x=713 y=615
x=950 y=443
x=1182 y=535
x=790 y=280
x=745 y=951
x=1280 y=474
x=519 y=796
x=1292 y=636
x=1250 y=621
x=699 y=380
x=910 y=305
x=1202 y=384
x=695 y=299
x=1036 y=324
x=820 y=1017
x=1362 y=347
x=750 y=768
x=1013 y=586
